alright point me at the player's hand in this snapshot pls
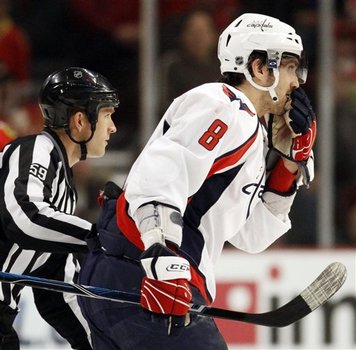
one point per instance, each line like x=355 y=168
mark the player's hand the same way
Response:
x=293 y=134
x=165 y=288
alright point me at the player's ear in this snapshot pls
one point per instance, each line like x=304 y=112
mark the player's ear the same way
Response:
x=259 y=71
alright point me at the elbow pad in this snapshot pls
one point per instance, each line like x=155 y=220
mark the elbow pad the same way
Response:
x=159 y=223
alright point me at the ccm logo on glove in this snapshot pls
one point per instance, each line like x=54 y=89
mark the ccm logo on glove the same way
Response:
x=178 y=267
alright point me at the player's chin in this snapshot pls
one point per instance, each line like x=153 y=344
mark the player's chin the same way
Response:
x=96 y=153
x=280 y=109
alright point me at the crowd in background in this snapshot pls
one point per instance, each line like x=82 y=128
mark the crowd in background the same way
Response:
x=38 y=37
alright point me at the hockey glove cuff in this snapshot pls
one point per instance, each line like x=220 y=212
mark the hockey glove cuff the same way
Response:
x=280 y=180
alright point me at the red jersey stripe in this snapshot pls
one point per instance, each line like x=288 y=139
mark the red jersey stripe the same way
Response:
x=126 y=224
x=232 y=157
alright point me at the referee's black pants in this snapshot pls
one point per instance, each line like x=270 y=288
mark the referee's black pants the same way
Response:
x=8 y=336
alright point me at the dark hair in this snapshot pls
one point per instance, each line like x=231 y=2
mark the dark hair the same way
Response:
x=232 y=79
x=257 y=55
x=236 y=79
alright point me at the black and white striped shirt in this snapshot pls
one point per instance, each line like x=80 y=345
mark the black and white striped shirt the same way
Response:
x=37 y=203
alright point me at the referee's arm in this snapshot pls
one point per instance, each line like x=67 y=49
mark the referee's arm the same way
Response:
x=37 y=202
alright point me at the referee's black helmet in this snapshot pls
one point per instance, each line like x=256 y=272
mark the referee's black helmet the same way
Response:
x=75 y=89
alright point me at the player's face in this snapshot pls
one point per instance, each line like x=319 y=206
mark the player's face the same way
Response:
x=104 y=128
x=288 y=81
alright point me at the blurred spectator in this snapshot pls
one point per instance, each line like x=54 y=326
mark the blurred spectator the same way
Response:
x=172 y=14
x=347 y=221
x=108 y=34
x=350 y=11
x=16 y=106
x=106 y=39
x=278 y=8
x=345 y=124
x=7 y=134
x=194 y=62
x=14 y=60
x=14 y=48
x=350 y=234
x=26 y=118
x=345 y=110
x=48 y=28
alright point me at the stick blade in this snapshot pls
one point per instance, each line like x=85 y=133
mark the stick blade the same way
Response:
x=325 y=286
x=316 y=294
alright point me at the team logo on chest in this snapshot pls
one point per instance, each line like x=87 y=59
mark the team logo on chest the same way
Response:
x=254 y=191
x=253 y=188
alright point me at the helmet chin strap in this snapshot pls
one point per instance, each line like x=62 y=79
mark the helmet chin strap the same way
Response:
x=82 y=144
x=270 y=89
x=83 y=151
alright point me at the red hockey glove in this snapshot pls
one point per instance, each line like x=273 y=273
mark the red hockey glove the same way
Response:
x=303 y=144
x=165 y=289
x=166 y=297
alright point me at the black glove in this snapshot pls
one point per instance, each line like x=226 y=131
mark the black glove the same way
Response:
x=293 y=134
x=301 y=116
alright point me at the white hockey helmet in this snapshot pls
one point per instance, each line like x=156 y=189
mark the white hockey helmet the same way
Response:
x=256 y=32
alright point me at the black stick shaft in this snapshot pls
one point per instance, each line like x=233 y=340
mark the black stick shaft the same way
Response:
x=124 y=297
x=329 y=281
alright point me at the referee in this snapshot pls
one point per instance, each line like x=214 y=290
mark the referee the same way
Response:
x=39 y=233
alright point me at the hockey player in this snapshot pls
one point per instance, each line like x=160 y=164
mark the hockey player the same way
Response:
x=39 y=230
x=203 y=180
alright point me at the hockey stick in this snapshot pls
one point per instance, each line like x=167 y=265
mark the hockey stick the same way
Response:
x=316 y=294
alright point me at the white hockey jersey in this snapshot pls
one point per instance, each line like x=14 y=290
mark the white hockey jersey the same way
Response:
x=207 y=158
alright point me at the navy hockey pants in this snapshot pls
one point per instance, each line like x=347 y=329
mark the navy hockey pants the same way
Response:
x=117 y=326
